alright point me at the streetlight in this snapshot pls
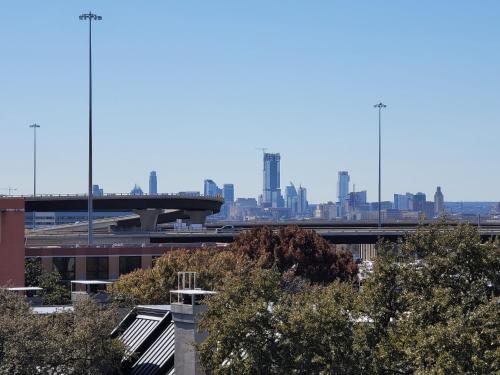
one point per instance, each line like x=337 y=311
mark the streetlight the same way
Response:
x=90 y=17
x=34 y=126
x=379 y=106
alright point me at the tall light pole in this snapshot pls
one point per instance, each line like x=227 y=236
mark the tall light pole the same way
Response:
x=34 y=126
x=90 y=17
x=379 y=106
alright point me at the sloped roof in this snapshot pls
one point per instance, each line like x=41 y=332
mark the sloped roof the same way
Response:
x=158 y=355
x=148 y=333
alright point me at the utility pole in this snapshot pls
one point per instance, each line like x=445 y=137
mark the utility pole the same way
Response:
x=10 y=189
x=379 y=106
x=34 y=126
x=90 y=17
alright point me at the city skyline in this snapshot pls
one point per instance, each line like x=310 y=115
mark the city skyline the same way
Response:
x=303 y=85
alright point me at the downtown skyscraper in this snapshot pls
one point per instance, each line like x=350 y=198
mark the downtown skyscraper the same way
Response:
x=210 y=188
x=343 y=186
x=228 y=193
x=271 y=192
x=153 y=183
x=342 y=191
x=438 y=202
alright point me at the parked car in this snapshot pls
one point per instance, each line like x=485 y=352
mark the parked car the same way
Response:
x=227 y=229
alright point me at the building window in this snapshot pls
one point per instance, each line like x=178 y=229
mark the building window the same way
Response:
x=65 y=266
x=129 y=264
x=97 y=268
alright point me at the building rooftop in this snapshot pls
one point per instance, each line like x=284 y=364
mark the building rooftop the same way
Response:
x=148 y=333
x=193 y=291
x=91 y=282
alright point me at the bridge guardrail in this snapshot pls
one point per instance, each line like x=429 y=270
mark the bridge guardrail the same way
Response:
x=110 y=195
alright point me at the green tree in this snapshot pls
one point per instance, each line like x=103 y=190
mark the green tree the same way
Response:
x=54 y=292
x=153 y=285
x=429 y=307
x=256 y=327
x=301 y=256
x=433 y=302
x=239 y=321
x=71 y=343
x=89 y=348
x=32 y=271
x=316 y=331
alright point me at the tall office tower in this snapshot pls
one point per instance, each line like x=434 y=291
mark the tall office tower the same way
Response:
x=419 y=202
x=343 y=186
x=343 y=192
x=402 y=202
x=361 y=197
x=438 y=202
x=211 y=189
x=429 y=210
x=291 y=199
x=356 y=199
x=271 y=192
x=302 y=200
x=411 y=201
x=97 y=191
x=228 y=193
x=153 y=183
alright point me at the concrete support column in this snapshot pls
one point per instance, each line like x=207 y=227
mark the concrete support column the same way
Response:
x=146 y=261
x=114 y=267
x=197 y=217
x=148 y=218
x=80 y=268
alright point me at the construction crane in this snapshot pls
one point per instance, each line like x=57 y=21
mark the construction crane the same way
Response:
x=10 y=189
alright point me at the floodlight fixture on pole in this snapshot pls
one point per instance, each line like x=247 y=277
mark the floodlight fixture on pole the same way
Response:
x=379 y=106
x=34 y=126
x=90 y=17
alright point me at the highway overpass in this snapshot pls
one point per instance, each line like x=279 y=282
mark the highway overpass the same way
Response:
x=352 y=234
x=150 y=210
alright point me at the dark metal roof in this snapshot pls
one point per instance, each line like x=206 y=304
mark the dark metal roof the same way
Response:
x=138 y=331
x=148 y=333
x=159 y=356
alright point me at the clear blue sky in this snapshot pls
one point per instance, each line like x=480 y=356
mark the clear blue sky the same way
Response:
x=191 y=88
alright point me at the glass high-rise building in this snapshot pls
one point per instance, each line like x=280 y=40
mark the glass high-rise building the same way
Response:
x=401 y=202
x=356 y=199
x=291 y=199
x=419 y=200
x=210 y=188
x=302 y=204
x=228 y=193
x=97 y=191
x=343 y=186
x=271 y=193
x=153 y=183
